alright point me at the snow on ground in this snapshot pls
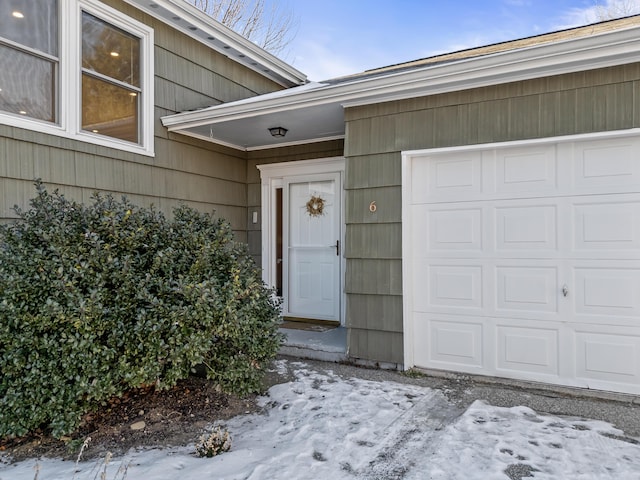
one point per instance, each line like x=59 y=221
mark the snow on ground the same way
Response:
x=321 y=426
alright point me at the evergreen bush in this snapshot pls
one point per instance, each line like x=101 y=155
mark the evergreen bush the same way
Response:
x=101 y=298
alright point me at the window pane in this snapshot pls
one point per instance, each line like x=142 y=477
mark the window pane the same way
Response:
x=33 y=23
x=27 y=85
x=109 y=110
x=110 y=51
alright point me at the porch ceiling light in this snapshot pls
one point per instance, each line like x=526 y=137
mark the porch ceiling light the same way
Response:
x=278 y=132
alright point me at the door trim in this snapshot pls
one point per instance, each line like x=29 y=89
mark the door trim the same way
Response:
x=272 y=177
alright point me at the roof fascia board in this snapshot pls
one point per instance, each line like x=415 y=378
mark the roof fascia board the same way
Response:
x=278 y=69
x=598 y=51
x=248 y=108
x=487 y=73
x=241 y=148
x=293 y=144
x=205 y=138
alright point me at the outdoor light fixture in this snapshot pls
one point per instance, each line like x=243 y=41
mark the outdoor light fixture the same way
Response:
x=278 y=132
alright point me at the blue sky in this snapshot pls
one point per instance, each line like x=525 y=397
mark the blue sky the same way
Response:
x=340 y=37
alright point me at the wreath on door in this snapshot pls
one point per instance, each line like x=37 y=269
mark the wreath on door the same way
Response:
x=315 y=206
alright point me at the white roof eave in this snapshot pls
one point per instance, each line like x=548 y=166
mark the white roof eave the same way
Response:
x=612 y=48
x=198 y=25
x=585 y=53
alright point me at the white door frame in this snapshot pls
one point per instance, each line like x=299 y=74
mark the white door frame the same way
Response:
x=272 y=176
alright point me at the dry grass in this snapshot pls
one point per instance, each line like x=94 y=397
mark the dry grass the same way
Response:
x=99 y=469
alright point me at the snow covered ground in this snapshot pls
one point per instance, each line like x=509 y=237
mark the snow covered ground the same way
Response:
x=321 y=426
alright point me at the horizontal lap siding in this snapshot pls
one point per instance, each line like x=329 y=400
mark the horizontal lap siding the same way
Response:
x=78 y=175
x=374 y=277
x=606 y=99
x=385 y=345
x=188 y=75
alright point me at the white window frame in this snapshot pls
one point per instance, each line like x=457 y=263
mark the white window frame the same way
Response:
x=69 y=92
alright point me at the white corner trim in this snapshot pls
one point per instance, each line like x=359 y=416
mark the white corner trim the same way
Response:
x=407 y=266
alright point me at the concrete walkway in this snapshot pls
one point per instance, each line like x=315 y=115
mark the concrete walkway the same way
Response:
x=620 y=410
x=330 y=350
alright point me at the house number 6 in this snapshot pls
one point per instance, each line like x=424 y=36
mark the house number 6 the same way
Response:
x=372 y=207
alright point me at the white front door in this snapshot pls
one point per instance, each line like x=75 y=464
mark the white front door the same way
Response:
x=311 y=246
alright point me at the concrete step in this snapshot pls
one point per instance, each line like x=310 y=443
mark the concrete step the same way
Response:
x=330 y=346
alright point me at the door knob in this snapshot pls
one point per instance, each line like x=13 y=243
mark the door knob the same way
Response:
x=565 y=290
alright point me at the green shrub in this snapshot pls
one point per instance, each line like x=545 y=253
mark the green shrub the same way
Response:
x=98 y=299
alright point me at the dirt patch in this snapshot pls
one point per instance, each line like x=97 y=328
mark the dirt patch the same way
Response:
x=159 y=418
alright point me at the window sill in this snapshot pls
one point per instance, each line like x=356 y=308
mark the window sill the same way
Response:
x=84 y=137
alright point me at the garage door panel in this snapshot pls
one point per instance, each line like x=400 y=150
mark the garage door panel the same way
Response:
x=451 y=343
x=608 y=224
x=524 y=349
x=526 y=289
x=607 y=293
x=530 y=227
x=455 y=286
x=607 y=164
x=611 y=356
x=526 y=170
x=455 y=229
x=448 y=178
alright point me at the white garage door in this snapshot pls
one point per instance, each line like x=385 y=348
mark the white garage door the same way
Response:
x=523 y=261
